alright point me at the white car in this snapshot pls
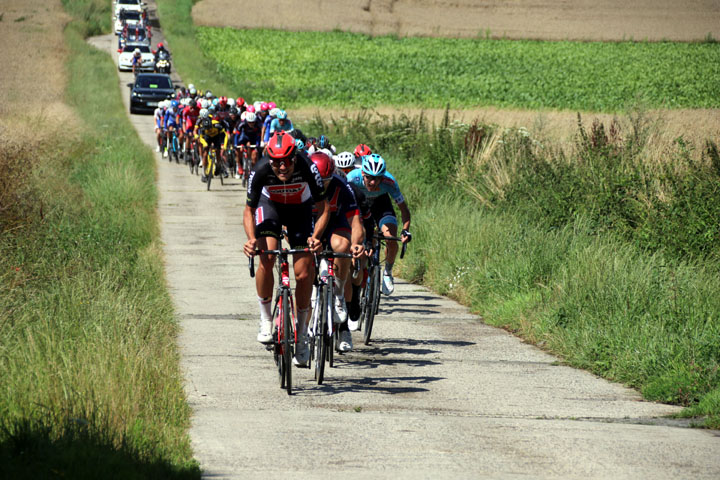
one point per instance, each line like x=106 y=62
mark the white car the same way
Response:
x=128 y=17
x=146 y=56
x=132 y=5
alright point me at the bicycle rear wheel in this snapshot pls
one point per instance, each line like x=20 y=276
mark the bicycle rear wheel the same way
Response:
x=320 y=335
x=287 y=341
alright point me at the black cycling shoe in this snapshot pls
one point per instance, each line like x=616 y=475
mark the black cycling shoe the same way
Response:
x=203 y=179
x=353 y=306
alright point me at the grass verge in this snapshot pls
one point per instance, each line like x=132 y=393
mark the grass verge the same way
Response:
x=91 y=380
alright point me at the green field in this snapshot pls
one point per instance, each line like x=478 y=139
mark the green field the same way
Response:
x=311 y=68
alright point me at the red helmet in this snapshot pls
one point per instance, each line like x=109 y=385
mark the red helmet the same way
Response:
x=281 y=145
x=362 y=150
x=223 y=101
x=160 y=45
x=264 y=106
x=324 y=163
x=240 y=101
x=250 y=108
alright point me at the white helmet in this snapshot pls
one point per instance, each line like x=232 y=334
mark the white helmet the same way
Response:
x=274 y=112
x=191 y=87
x=204 y=113
x=250 y=117
x=344 y=160
x=136 y=52
x=242 y=116
x=257 y=105
x=204 y=103
x=231 y=102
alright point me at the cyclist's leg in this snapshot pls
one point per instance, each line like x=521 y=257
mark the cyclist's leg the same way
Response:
x=267 y=231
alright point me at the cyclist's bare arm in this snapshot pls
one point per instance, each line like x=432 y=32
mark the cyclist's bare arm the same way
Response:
x=405 y=215
x=323 y=219
x=249 y=225
x=357 y=235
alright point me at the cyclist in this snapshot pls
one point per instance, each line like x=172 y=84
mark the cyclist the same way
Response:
x=159 y=117
x=323 y=143
x=360 y=151
x=136 y=61
x=211 y=134
x=171 y=124
x=344 y=164
x=281 y=123
x=282 y=191
x=190 y=116
x=379 y=185
x=344 y=233
x=248 y=135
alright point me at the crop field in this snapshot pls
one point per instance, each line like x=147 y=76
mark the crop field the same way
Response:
x=337 y=68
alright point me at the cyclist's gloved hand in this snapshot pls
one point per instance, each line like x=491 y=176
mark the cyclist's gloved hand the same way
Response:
x=406 y=235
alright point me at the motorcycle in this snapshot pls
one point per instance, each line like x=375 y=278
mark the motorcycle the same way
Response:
x=162 y=65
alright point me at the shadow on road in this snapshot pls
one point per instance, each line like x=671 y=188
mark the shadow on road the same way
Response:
x=381 y=385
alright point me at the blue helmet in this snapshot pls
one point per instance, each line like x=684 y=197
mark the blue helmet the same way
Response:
x=174 y=103
x=323 y=142
x=282 y=115
x=299 y=144
x=373 y=165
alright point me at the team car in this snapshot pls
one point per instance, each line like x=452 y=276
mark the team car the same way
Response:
x=134 y=35
x=129 y=18
x=132 y=5
x=147 y=59
x=148 y=90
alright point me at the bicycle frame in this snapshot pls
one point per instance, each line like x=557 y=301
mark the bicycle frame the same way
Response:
x=283 y=315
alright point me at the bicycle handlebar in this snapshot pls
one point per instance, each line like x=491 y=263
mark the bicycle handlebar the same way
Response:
x=396 y=239
x=281 y=252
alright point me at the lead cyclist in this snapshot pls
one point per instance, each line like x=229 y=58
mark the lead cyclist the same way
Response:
x=379 y=185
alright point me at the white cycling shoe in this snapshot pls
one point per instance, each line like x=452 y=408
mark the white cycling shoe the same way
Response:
x=302 y=352
x=341 y=314
x=345 y=344
x=388 y=285
x=265 y=333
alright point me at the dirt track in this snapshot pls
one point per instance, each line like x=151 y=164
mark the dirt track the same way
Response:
x=533 y=19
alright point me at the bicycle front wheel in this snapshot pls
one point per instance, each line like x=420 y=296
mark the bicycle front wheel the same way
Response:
x=373 y=300
x=320 y=335
x=210 y=169
x=288 y=340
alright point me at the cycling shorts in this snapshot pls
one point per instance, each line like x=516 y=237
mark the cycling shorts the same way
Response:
x=382 y=211
x=270 y=218
x=217 y=141
x=338 y=225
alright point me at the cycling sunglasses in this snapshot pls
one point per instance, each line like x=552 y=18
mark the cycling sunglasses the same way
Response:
x=284 y=161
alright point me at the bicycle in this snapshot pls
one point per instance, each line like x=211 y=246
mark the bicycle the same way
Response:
x=370 y=296
x=323 y=332
x=211 y=167
x=174 y=147
x=285 y=333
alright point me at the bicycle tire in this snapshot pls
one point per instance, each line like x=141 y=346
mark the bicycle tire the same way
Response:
x=176 y=148
x=210 y=168
x=320 y=336
x=288 y=341
x=373 y=299
x=330 y=311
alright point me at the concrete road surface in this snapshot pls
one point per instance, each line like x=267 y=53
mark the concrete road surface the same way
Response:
x=437 y=395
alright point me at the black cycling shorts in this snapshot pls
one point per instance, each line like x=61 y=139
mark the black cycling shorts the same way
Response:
x=298 y=219
x=382 y=210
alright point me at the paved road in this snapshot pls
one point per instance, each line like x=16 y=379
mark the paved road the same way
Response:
x=439 y=394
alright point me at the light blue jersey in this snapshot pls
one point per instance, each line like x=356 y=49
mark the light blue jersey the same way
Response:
x=388 y=185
